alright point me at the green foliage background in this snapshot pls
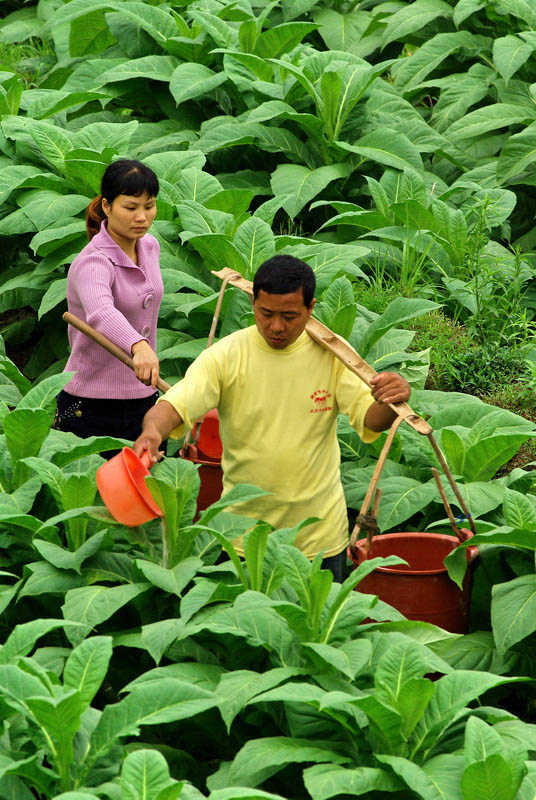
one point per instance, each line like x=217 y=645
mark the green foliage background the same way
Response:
x=386 y=143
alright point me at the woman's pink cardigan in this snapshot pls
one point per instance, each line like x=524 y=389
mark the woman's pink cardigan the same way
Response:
x=121 y=300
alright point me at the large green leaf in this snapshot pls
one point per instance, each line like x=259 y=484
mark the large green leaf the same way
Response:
x=489 y=118
x=173 y=580
x=144 y=775
x=255 y=242
x=519 y=510
x=513 y=611
x=87 y=666
x=11 y=177
x=411 y=71
x=98 y=136
x=196 y=185
x=55 y=294
x=16 y=686
x=412 y=18
x=157 y=68
x=341 y=31
x=280 y=39
x=45 y=208
x=167 y=700
x=350 y=658
x=304 y=184
x=464 y=8
x=43 y=394
x=158 y=23
x=342 y=86
x=25 y=431
x=192 y=80
x=23 y=637
x=522 y=9
x=252 y=619
x=59 y=718
x=43 y=103
x=90 y=34
x=489 y=779
x=453 y=692
x=85 y=167
x=484 y=458
x=58 y=556
x=93 y=604
x=329 y=780
x=238 y=687
x=509 y=55
x=387 y=147
x=518 y=154
x=260 y=758
x=218 y=252
x=50 y=239
x=417 y=779
x=53 y=142
x=399 y=310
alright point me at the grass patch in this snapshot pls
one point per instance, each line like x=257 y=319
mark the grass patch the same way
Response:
x=29 y=60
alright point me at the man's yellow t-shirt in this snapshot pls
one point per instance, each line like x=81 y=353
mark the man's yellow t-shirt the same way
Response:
x=278 y=425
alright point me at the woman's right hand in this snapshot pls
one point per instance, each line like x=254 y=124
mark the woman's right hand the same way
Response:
x=145 y=362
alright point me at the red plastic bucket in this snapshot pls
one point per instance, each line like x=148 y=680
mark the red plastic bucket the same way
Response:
x=211 y=475
x=207 y=454
x=209 y=442
x=422 y=590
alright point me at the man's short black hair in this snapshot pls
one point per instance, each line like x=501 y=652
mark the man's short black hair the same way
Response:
x=285 y=274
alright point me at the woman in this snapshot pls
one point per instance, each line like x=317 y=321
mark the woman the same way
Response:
x=115 y=286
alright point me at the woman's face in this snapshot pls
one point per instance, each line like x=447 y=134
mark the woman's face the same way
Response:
x=129 y=216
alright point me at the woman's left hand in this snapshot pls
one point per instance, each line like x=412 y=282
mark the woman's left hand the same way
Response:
x=145 y=362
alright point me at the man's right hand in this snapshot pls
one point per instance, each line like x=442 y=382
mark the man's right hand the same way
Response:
x=158 y=423
x=150 y=440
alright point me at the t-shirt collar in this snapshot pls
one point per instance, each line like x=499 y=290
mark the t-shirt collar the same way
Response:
x=104 y=242
x=263 y=344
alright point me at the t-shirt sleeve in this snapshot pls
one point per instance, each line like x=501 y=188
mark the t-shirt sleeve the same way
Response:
x=354 y=399
x=198 y=392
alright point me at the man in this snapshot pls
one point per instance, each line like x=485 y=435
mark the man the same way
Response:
x=278 y=394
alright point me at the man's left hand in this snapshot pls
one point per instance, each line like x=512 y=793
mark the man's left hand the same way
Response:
x=388 y=387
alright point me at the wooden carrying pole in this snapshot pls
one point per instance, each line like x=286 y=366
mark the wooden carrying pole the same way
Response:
x=103 y=341
x=353 y=361
x=340 y=349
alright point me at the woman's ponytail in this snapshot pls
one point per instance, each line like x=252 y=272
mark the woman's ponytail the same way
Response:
x=94 y=216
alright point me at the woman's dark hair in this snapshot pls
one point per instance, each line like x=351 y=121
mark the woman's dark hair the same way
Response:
x=124 y=176
x=285 y=274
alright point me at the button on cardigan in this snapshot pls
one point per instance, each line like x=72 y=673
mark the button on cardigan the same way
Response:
x=120 y=299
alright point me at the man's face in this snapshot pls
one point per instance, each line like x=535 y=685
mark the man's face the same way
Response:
x=281 y=318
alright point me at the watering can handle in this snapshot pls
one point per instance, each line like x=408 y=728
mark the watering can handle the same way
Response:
x=146 y=459
x=104 y=342
x=323 y=336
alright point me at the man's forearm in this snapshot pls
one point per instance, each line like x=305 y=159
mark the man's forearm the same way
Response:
x=158 y=423
x=379 y=417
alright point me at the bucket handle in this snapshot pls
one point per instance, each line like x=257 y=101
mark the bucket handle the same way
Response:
x=461 y=536
x=364 y=519
x=232 y=275
x=369 y=522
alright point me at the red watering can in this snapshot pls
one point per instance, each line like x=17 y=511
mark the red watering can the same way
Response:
x=121 y=484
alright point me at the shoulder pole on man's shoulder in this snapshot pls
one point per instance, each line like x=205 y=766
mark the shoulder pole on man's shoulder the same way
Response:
x=340 y=348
